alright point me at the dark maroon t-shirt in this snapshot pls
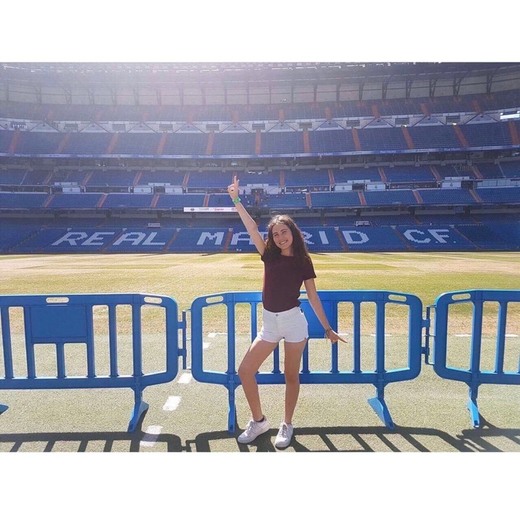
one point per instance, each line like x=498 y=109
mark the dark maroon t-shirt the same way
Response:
x=283 y=278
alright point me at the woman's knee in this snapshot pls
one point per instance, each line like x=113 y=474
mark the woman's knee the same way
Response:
x=292 y=376
x=254 y=358
x=247 y=369
x=243 y=370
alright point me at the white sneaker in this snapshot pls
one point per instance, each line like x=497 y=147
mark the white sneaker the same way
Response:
x=284 y=436
x=253 y=429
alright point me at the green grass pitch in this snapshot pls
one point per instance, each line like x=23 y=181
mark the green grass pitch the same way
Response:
x=429 y=413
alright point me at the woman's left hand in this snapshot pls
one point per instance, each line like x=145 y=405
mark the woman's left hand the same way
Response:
x=334 y=337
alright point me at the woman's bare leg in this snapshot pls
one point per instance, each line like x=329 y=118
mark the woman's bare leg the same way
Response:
x=293 y=358
x=253 y=359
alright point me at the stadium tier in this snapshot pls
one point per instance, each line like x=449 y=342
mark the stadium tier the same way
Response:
x=292 y=142
x=211 y=179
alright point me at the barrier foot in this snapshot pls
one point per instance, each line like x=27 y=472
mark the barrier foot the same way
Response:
x=232 y=421
x=379 y=406
x=473 y=408
x=3 y=407
x=139 y=409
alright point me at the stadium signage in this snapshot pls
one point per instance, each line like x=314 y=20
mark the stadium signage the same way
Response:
x=440 y=235
x=330 y=238
x=78 y=238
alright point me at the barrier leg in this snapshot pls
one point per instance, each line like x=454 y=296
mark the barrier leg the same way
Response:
x=232 y=410
x=473 y=407
x=140 y=408
x=378 y=404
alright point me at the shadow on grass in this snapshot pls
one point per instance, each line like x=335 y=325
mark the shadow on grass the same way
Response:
x=136 y=441
x=110 y=441
x=487 y=438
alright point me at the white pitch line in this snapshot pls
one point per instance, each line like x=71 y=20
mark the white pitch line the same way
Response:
x=172 y=403
x=150 y=436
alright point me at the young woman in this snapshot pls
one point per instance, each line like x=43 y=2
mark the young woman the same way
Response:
x=287 y=265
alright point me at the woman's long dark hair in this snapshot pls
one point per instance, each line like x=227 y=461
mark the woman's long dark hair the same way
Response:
x=299 y=247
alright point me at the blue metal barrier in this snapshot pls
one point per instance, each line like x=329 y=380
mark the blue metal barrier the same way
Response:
x=379 y=376
x=474 y=375
x=65 y=320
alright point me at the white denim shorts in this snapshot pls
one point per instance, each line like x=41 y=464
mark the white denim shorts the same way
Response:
x=290 y=325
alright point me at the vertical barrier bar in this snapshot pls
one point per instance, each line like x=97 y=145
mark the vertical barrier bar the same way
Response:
x=29 y=348
x=232 y=337
x=6 y=343
x=276 y=361
x=305 y=360
x=91 y=361
x=112 y=340
x=254 y=320
x=334 y=348
x=476 y=337
x=427 y=336
x=476 y=352
x=139 y=405
x=7 y=351
x=378 y=403
x=231 y=373
x=184 y=337
x=380 y=338
x=136 y=340
x=357 y=337
x=501 y=338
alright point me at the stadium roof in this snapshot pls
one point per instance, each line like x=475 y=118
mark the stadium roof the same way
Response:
x=302 y=80
x=274 y=69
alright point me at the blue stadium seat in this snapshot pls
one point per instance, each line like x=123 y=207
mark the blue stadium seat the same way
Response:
x=179 y=201
x=335 y=199
x=434 y=137
x=390 y=197
x=446 y=196
x=408 y=174
x=75 y=200
x=24 y=200
x=282 y=143
x=510 y=195
x=510 y=169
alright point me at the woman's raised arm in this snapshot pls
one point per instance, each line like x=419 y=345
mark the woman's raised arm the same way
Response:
x=249 y=222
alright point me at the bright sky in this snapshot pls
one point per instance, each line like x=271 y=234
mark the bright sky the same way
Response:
x=271 y=30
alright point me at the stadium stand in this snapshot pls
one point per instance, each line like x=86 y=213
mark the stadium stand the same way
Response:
x=425 y=173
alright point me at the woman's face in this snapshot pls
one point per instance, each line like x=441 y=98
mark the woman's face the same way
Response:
x=282 y=237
